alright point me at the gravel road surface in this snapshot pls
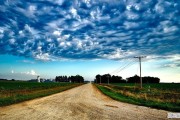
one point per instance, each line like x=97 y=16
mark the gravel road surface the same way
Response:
x=85 y=102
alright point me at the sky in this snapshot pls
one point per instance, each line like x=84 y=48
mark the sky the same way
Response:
x=89 y=37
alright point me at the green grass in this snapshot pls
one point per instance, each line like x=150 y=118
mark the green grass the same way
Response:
x=17 y=91
x=160 y=96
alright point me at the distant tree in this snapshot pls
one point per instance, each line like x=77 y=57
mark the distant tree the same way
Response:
x=98 y=77
x=136 y=79
x=76 y=79
x=112 y=79
x=117 y=79
x=61 y=79
x=149 y=79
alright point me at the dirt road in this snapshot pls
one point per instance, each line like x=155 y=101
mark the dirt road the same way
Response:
x=80 y=103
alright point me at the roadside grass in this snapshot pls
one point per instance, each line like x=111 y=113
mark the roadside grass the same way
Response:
x=17 y=91
x=166 y=98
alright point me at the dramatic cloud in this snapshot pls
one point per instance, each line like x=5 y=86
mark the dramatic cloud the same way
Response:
x=89 y=29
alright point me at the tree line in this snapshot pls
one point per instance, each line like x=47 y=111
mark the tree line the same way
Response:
x=72 y=79
x=107 y=77
x=147 y=79
x=118 y=79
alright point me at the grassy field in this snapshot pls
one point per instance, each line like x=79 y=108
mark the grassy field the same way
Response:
x=162 y=96
x=18 y=91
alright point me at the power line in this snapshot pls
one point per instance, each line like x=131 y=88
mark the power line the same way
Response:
x=127 y=66
x=120 y=67
x=123 y=66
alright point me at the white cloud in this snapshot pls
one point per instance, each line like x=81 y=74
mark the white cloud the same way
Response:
x=59 y=2
x=43 y=56
x=159 y=8
x=73 y=11
x=170 y=29
x=58 y=33
x=62 y=43
x=68 y=43
x=129 y=25
x=28 y=61
x=30 y=29
x=114 y=55
x=172 y=65
x=132 y=16
x=12 y=41
x=31 y=72
x=32 y=9
x=1 y=30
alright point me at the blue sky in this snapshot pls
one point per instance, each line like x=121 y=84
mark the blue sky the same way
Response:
x=89 y=37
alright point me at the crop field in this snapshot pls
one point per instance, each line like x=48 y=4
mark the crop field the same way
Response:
x=162 y=96
x=161 y=86
x=18 y=91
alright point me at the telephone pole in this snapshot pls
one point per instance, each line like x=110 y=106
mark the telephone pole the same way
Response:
x=108 y=79
x=140 y=57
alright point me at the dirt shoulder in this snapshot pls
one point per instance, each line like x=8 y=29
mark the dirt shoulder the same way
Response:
x=84 y=102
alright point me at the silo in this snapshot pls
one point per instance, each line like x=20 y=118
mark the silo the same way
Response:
x=38 y=79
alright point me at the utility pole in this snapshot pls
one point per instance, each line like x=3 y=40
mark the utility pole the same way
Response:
x=140 y=57
x=100 y=79
x=108 y=79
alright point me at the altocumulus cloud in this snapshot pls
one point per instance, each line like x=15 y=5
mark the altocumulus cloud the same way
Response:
x=89 y=29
